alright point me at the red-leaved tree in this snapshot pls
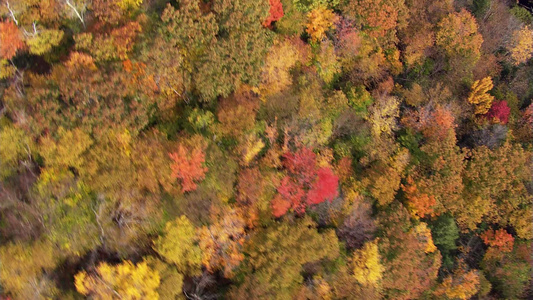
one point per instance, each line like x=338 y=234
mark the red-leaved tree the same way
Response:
x=188 y=167
x=325 y=187
x=305 y=184
x=275 y=13
x=499 y=112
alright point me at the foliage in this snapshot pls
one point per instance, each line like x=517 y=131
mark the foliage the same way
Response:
x=445 y=233
x=307 y=184
x=479 y=96
x=521 y=45
x=319 y=21
x=499 y=239
x=221 y=243
x=188 y=167
x=254 y=149
x=499 y=112
x=124 y=281
x=367 y=266
x=460 y=285
x=420 y=205
x=383 y=115
x=307 y=5
x=509 y=272
x=44 y=41
x=25 y=270
x=282 y=56
x=16 y=147
x=179 y=245
x=11 y=39
x=278 y=254
x=409 y=268
x=274 y=14
x=378 y=18
x=458 y=34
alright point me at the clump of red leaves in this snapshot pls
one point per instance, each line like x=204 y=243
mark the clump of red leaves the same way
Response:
x=305 y=184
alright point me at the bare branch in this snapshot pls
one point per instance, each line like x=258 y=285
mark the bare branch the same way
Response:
x=12 y=13
x=75 y=11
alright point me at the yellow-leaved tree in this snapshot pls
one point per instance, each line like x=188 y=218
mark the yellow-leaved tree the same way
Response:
x=319 y=20
x=383 y=114
x=129 y=4
x=125 y=281
x=275 y=76
x=462 y=284
x=179 y=246
x=480 y=97
x=25 y=270
x=457 y=34
x=521 y=48
x=367 y=267
x=423 y=233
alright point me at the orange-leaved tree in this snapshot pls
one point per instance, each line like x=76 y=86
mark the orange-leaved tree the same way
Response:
x=188 y=167
x=10 y=39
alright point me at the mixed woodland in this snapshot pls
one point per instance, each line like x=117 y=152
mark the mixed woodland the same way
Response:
x=266 y=149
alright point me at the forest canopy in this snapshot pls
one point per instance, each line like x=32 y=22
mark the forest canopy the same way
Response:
x=266 y=149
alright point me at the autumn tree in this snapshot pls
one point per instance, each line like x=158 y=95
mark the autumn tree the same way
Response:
x=129 y=174
x=10 y=39
x=412 y=269
x=67 y=208
x=179 y=245
x=319 y=21
x=217 y=64
x=462 y=284
x=277 y=256
x=486 y=179
x=250 y=189
x=509 y=272
x=385 y=168
x=67 y=150
x=112 y=45
x=72 y=96
x=457 y=34
x=275 y=13
x=221 y=243
x=358 y=227
x=521 y=48
x=480 y=97
x=434 y=123
x=499 y=239
x=237 y=112
x=499 y=112
x=16 y=149
x=383 y=114
x=26 y=270
x=171 y=280
x=420 y=205
x=123 y=281
x=379 y=19
x=367 y=267
x=188 y=167
x=306 y=183
x=275 y=75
